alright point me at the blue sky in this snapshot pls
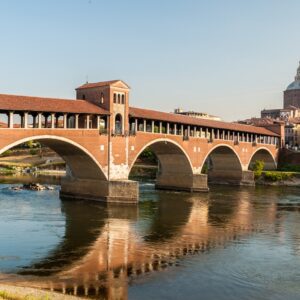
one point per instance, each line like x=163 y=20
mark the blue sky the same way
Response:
x=230 y=58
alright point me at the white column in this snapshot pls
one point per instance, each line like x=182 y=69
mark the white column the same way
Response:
x=175 y=129
x=65 y=121
x=25 y=120
x=76 y=121
x=195 y=131
x=11 y=119
x=200 y=132
x=53 y=120
x=182 y=133
x=136 y=125
x=152 y=126
x=145 y=125
x=87 y=122
x=189 y=130
x=160 y=127
x=98 y=122
x=39 y=120
x=168 y=128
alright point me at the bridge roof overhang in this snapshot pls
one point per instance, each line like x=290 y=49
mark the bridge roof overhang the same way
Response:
x=186 y=120
x=51 y=105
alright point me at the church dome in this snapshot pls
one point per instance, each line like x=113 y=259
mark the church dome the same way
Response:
x=296 y=84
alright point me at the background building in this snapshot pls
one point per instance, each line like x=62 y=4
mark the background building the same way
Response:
x=200 y=115
x=289 y=114
x=292 y=93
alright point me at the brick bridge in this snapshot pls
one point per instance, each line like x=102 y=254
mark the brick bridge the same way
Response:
x=100 y=137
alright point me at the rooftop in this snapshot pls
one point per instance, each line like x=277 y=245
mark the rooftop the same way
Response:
x=101 y=84
x=176 y=118
x=39 y=104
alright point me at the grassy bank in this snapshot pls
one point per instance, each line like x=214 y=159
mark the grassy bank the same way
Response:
x=8 y=292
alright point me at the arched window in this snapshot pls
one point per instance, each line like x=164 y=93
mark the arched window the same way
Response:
x=115 y=98
x=123 y=99
x=119 y=98
x=118 y=124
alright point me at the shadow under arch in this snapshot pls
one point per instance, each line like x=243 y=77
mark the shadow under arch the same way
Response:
x=81 y=163
x=172 y=158
x=223 y=166
x=263 y=154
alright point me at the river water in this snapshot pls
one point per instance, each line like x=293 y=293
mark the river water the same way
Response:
x=231 y=243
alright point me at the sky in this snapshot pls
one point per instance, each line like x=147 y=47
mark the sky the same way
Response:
x=229 y=58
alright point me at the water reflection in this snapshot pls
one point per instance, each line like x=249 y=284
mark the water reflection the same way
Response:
x=105 y=248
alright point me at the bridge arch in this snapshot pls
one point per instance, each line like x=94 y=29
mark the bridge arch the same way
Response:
x=172 y=157
x=223 y=165
x=82 y=164
x=265 y=155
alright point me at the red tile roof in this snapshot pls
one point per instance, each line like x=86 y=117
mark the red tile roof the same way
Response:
x=38 y=104
x=96 y=84
x=176 y=118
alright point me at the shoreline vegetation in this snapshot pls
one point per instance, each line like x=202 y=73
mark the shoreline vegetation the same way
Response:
x=10 y=292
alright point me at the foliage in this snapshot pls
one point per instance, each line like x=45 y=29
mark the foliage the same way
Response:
x=205 y=168
x=148 y=155
x=9 y=296
x=258 y=168
x=290 y=168
x=33 y=151
x=277 y=176
x=6 y=153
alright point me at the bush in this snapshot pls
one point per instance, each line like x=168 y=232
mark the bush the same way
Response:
x=6 y=153
x=148 y=156
x=290 y=168
x=277 y=176
x=33 y=151
x=258 y=168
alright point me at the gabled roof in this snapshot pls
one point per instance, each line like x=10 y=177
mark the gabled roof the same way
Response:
x=181 y=119
x=102 y=83
x=39 y=104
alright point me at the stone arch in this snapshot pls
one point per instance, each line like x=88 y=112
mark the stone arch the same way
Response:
x=223 y=165
x=266 y=156
x=172 y=157
x=82 y=164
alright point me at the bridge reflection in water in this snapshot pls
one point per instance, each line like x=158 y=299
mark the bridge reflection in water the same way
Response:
x=105 y=248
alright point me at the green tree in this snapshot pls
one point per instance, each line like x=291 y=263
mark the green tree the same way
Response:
x=258 y=168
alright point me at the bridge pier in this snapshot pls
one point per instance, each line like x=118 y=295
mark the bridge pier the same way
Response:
x=234 y=177
x=115 y=191
x=182 y=182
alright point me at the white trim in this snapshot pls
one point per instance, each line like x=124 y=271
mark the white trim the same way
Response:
x=158 y=141
x=53 y=137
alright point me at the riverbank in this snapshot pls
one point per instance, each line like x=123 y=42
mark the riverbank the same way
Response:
x=29 y=161
x=9 y=292
x=279 y=178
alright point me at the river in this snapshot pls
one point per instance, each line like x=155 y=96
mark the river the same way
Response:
x=230 y=243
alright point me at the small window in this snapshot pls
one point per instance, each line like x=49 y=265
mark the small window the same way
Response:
x=123 y=99
x=83 y=97
x=119 y=98
x=115 y=98
x=102 y=98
